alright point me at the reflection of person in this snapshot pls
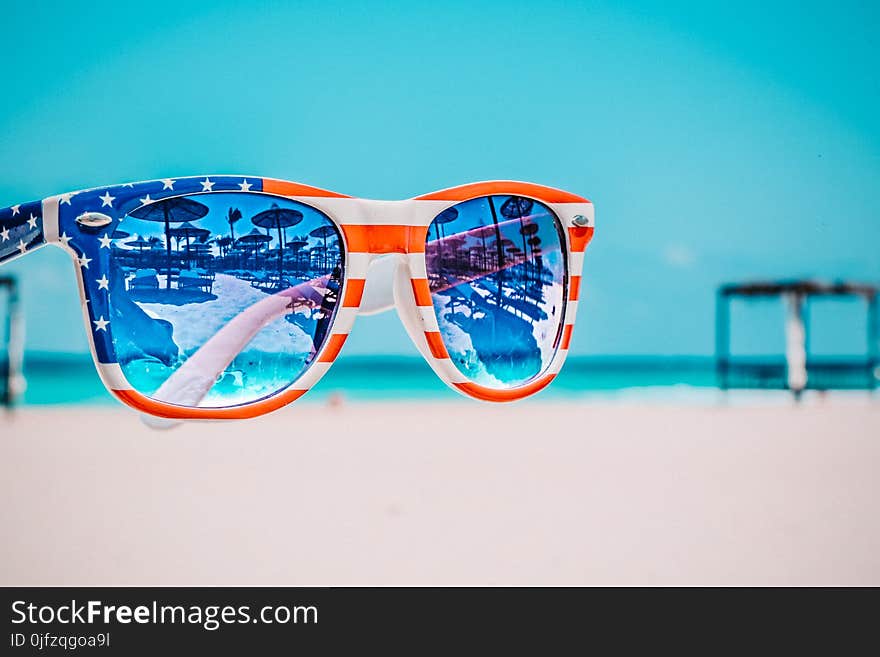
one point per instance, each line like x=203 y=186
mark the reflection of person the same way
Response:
x=327 y=305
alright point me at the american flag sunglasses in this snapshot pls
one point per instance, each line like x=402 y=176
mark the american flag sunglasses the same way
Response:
x=222 y=297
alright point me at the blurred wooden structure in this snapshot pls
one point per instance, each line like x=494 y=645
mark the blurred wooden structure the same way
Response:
x=11 y=342
x=799 y=370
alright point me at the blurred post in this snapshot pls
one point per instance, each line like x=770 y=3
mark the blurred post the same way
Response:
x=12 y=348
x=722 y=336
x=874 y=338
x=795 y=343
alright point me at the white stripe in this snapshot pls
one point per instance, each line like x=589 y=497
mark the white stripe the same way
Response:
x=453 y=373
x=571 y=312
x=576 y=262
x=357 y=264
x=113 y=377
x=429 y=318
x=50 y=219
x=344 y=319
x=556 y=365
x=311 y=376
x=417 y=265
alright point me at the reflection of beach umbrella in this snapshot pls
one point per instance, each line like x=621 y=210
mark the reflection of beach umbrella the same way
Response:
x=177 y=209
x=277 y=218
x=140 y=243
x=449 y=214
x=503 y=241
x=119 y=235
x=254 y=239
x=188 y=233
x=323 y=232
x=296 y=244
x=222 y=242
x=516 y=207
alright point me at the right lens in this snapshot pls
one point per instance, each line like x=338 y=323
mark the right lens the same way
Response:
x=220 y=299
x=497 y=273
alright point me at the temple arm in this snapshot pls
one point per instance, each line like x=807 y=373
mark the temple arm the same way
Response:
x=21 y=230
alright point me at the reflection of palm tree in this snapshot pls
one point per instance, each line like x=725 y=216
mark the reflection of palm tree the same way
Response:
x=516 y=207
x=529 y=233
x=223 y=243
x=499 y=275
x=232 y=216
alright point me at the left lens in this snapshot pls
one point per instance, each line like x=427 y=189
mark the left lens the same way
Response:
x=497 y=273
x=223 y=298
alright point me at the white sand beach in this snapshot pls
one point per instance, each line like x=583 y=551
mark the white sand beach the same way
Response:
x=439 y=493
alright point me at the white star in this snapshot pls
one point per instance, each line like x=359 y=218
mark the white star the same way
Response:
x=103 y=282
x=32 y=222
x=146 y=200
x=107 y=200
x=4 y=234
x=15 y=209
x=207 y=185
x=100 y=323
x=245 y=186
x=65 y=198
x=64 y=239
x=105 y=241
x=84 y=261
x=22 y=246
x=167 y=183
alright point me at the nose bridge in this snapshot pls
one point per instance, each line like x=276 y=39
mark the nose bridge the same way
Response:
x=378 y=294
x=385 y=227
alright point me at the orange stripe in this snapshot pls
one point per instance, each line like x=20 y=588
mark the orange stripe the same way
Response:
x=579 y=237
x=385 y=238
x=161 y=409
x=284 y=188
x=421 y=291
x=473 y=190
x=354 y=290
x=489 y=394
x=333 y=347
x=566 y=336
x=574 y=289
x=435 y=344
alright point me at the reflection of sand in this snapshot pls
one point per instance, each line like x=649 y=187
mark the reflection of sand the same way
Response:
x=459 y=344
x=463 y=493
x=195 y=323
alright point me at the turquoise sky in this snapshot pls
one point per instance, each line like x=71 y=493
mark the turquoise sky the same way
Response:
x=718 y=142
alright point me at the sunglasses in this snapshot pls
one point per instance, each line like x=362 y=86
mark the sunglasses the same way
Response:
x=221 y=297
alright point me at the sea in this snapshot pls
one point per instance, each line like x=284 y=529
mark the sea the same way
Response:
x=54 y=379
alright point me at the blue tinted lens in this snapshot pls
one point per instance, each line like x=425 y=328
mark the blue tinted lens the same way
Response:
x=497 y=273
x=221 y=299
